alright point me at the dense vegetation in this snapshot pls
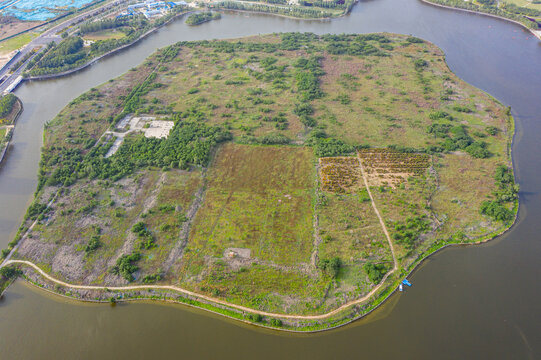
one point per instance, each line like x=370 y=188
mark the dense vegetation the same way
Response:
x=126 y=266
x=9 y=272
x=375 y=272
x=70 y=53
x=296 y=11
x=106 y=24
x=199 y=18
x=6 y=105
x=506 y=193
x=67 y=54
x=456 y=138
x=188 y=143
x=408 y=232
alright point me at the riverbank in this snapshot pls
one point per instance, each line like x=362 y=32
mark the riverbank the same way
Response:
x=233 y=311
x=228 y=310
x=536 y=33
x=324 y=18
x=109 y=53
x=344 y=308
x=11 y=129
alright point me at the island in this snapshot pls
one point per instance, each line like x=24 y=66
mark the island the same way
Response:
x=289 y=180
x=199 y=18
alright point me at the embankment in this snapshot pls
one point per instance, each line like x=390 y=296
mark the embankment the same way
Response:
x=534 y=33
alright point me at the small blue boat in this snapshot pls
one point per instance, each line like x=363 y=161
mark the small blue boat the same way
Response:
x=406 y=282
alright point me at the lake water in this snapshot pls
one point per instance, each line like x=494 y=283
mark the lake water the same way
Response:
x=469 y=302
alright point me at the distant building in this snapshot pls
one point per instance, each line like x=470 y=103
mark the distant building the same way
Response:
x=151 y=8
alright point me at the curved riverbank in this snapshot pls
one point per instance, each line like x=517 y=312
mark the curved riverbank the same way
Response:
x=375 y=296
x=12 y=129
x=485 y=14
x=457 y=292
x=107 y=54
x=341 y=316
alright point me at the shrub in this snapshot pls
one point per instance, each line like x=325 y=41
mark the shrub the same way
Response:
x=6 y=104
x=492 y=130
x=303 y=109
x=478 y=150
x=255 y=317
x=274 y=139
x=375 y=272
x=93 y=244
x=125 y=266
x=308 y=121
x=414 y=40
x=496 y=211
x=152 y=278
x=331 y=147
x=331 y=266
x=420 y=64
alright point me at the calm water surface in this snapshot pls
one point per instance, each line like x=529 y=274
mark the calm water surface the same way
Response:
x=478 y=302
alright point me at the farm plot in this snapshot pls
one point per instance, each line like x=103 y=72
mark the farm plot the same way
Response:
x=339 y=174
x=253 y=235
x=391 y=168
x=258 y=198
x=350 y=231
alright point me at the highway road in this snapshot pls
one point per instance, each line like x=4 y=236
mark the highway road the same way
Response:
x=42 y=40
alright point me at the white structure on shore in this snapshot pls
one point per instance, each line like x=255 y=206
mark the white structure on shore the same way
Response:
x=151 y=8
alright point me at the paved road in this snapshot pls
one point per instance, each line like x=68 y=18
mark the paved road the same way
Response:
x=45 y=38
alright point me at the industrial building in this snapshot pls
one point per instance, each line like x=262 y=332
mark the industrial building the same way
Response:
x=151 y=9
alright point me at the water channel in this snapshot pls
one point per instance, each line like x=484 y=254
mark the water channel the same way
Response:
x=469 y=302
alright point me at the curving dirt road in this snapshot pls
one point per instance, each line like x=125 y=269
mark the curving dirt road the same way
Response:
x=199 y=296
x=212 y=300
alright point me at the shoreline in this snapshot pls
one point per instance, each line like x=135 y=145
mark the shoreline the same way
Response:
x=242 y=310
x=110 y=52
x=532 y=31
x=224 y=308
x=281 y=15
x=5 y=149
x=378 y=301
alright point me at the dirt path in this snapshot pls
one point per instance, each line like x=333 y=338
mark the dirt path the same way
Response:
x=317 y=237
x=216 y=301
x=196 y=295
x=379 y=216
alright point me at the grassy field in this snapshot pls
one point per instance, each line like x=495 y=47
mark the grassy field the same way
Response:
x=104 y=35
x=394 y=99
x=259 y=198
x=229 y=93
x=525 y=3
x=16 y=42
x=272 y=212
